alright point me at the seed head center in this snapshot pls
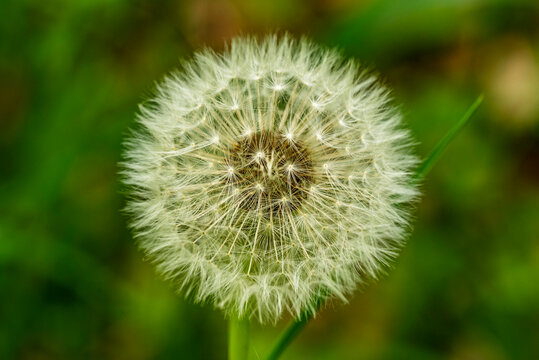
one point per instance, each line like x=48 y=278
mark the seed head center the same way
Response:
x=273 y=174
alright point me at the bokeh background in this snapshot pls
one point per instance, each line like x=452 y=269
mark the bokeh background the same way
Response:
x=74 y=286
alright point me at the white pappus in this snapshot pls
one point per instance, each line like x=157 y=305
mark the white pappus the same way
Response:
x=268 y=176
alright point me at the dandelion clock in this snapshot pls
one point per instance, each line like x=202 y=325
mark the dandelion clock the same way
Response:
x=269 y=176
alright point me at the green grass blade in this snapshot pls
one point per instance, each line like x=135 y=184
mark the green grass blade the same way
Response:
x=435 y=154
x=294 y=328
x=286 y=338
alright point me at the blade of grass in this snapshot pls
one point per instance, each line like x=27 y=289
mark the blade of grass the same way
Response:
x=287 y=336
x=435 y=154
x=295 y=327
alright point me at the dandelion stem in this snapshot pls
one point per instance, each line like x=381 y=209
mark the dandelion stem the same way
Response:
x=238 y=338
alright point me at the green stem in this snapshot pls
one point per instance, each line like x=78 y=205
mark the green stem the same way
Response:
x=238 y=338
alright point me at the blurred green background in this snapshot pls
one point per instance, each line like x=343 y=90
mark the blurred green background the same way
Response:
x=74 y=286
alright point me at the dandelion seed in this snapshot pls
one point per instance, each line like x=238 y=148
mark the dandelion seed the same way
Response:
x=269 y=198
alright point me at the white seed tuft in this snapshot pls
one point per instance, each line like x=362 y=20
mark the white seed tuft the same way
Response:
x=268 y=176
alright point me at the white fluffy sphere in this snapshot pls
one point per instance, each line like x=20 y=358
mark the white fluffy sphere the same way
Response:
x=269 y=176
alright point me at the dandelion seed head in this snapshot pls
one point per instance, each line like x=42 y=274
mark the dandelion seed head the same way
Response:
x=268 y=176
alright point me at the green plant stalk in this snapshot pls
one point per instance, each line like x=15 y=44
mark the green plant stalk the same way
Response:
x=238 y=338
x=293 y=329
